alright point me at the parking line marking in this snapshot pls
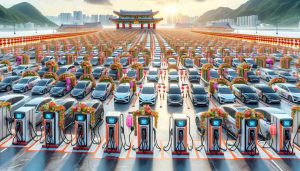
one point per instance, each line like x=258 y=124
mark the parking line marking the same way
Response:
x=64 y=155
x=276 y=165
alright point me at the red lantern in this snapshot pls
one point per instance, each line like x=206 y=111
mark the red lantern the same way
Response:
x=272 y=130
x=182 y=88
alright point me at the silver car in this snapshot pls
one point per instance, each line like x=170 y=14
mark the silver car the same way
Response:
x=153 y=75
x=224 y=95
x=173 y=75
x=288 y=91
x=148 y=94
x=123 y=93
x=268 y=74
x=25 y=84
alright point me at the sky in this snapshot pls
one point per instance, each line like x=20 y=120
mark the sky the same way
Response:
x=165 y=7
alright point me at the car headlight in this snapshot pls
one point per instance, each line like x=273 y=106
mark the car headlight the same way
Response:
x=295 y=97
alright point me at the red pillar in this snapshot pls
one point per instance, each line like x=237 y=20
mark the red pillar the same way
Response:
x=149 y=26
x=154 y=26
x=142 y=26
x=117 y=26
x=123 y=25
x=130 y=26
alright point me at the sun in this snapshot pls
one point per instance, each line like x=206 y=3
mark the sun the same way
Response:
x=171 y=10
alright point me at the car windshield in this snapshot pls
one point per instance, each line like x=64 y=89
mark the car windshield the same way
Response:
x=20 y=67
x=80 y=85
x=24 y=81
x=250 y=61
x=219 y=60
x=97 y=71
x=271 y=73
x=172 y=60
x=42 y=83
x=131 y=73
x=246 y=90
x=199 y=91
x=294 y=89
x=148 y=90
x=101 y=87
x=153 y=73
x=193 y=73
x=174 y=90
x=62 y=70
x=109 y=59
x=214 y=74
x=173 y=73
x=7 y=80
x=112 y=71
x=188 y=61
x=123 y=60
x=123 y=89
x=44 y=69
x=80 y=70
x=60 y=84
x=232 y=73
x=30 y=105
x=225 y=90
x=156 y=60
x=267 y=90
x=236 y=61
x=204 y=61
x=250 y=73
x=80 y=58
x=286 y=74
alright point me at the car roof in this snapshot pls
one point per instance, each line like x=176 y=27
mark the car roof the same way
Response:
x=272 y=110
x=173 y=85
x=124 y=84
x=38 y=100
x=9 y=96
x=149 y=85
x=63 y=101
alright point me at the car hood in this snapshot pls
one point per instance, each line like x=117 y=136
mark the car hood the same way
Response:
x=19 y=85
x=272 y=95
x=200 y=96
x=121 y=95
x=38 y=88
x=3 y=84
x=174 y=96
x=147 y=96
x=296 y=94
x=57 y=89
x=227 y=96
x=251 y=95
x=76 y=92
x=97 y=93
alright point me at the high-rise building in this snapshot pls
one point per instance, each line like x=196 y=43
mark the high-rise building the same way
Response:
x=104 y=19
x=65 y=18
x=94 y=18
x=78 y=17
x=247 y=21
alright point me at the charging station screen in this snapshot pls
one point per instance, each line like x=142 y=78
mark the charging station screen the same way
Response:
x=48 y=115
x=286 y=123
x=180 y=123
x=19 y=115
x=251 y=123
x=215 y=122
x=111 y=120
x=143 y=121
x=80 y=118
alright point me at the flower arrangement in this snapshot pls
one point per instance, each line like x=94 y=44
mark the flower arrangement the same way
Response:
x=147 y=59
x=89 y=77
x=169 y=52
x=213 y=83
x=145 y=111
x=25 y=59
x=129 y=80
x=50 y=75
x=140 y=70
x=117 y=66
x=146 y=51
x=205 y=71
x=247 y=114
x=69 y=59
x=295 y=109
x=83 y=108
x=66 y=76
x=30 y=73
x=183 y=52
x=222 y=68
x=86 y=58
x=285 y=62
x=52 y=65
x=53 y=107
x=7 y=63
x=105 y=78
x=261 y=61
x=239 y=80
x=5 y=104
x=276 y=80
x=212 y=113
x=173 y=67
x=228 y=60
x=87 y=67
x=182 y=59
x=243 y=69
x=197 y=60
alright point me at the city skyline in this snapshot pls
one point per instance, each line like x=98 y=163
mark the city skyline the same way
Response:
x=166 y=7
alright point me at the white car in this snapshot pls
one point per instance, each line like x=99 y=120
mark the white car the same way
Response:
x=123 y=93
x=218 y=62
x=224 y=95
x=148 y=94
x=173 y=75
x=288 y=91
x=230 y=74
x=268 y=74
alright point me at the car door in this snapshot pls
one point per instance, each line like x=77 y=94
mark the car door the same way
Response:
x=258 y=92
x=284 y=92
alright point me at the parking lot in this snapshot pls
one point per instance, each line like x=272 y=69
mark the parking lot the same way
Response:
x=34 y=157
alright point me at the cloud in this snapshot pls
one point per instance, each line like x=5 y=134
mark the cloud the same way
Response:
x=99 y=2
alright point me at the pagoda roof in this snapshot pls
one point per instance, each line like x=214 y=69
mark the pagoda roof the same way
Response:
x=144 y=13
x=140 y=20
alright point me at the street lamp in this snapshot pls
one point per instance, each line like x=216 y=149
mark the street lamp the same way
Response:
x=277 y=28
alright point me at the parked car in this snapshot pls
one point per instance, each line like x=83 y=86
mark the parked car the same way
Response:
x=250 y=62
x=153 y=75
x=198 y=95
x=230 y=74
x=141 y=61
x=79 y=60
x=132 y=73
x=251 y=77
x=235 y=62
x=287 y=91
x=287 y=76
x=79 y=73
x=172 y=61
x=7 y=83
x=174 y=95
x=113 y=74
x=25 y=84
x=97 y=72
x=59 y=89
x=102 y=91
x=203 y=61
x=66 y=69
x=277 y=56
x=268 y=74
x=19 y=70
x=156 y=62
x=62 y=60
x=148 y=94
x=16 y=100
x=173 y=75
x=124 y=61
x=37 y=103
x=109 y=61
x=47 y=58
x=193 y=75
x=223 y=94
x=245 y=93
x=214 y=74
x=43 y=86
x=188 y=63
x=81 y=89
x=218 y=62
x=266 y=93
x=68 y=103
x=123 y=93
x=42 y=71
x=95 y=61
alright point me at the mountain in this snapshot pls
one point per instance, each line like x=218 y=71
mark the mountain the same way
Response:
x=23 y=13
x=285 y=12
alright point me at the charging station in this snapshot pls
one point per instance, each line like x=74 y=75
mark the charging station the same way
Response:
x=4 y=115
x=82 y=132
x=145 y=134
x=25 y=122
x=179 y=130
x=213 y=136
x=282 y=141
x=248 y=137
x=113 y=132
x=51 y=130
x=296 y=128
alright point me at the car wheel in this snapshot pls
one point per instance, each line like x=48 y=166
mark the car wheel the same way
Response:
x=265 y=99
x=290 y=99
x=8 y=88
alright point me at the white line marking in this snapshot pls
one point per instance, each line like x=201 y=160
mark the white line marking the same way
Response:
x=276 y=165
x=64 y=155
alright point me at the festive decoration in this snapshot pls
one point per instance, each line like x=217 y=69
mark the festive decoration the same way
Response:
x=183 y=58
x=140 y=71
x=239 y=80
x=30 y=73
x=50 y=75
x=105 y=78
x=8 y=64
x=276 y=80
x=222 y=68
x=5 y=104
x=145 y=111
x=69 y=59
x=213 y=83
x=68 y=76
x=130 y=81
x=117 y=66
x=243 y=69
x=205 y=71
x=87 y=67
x=228 y=60
x=89 y=77
x=60 y=109
x=214 y=113
x=52 y=65
x=83 y=108
x=285 y=62
x=247 y=114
